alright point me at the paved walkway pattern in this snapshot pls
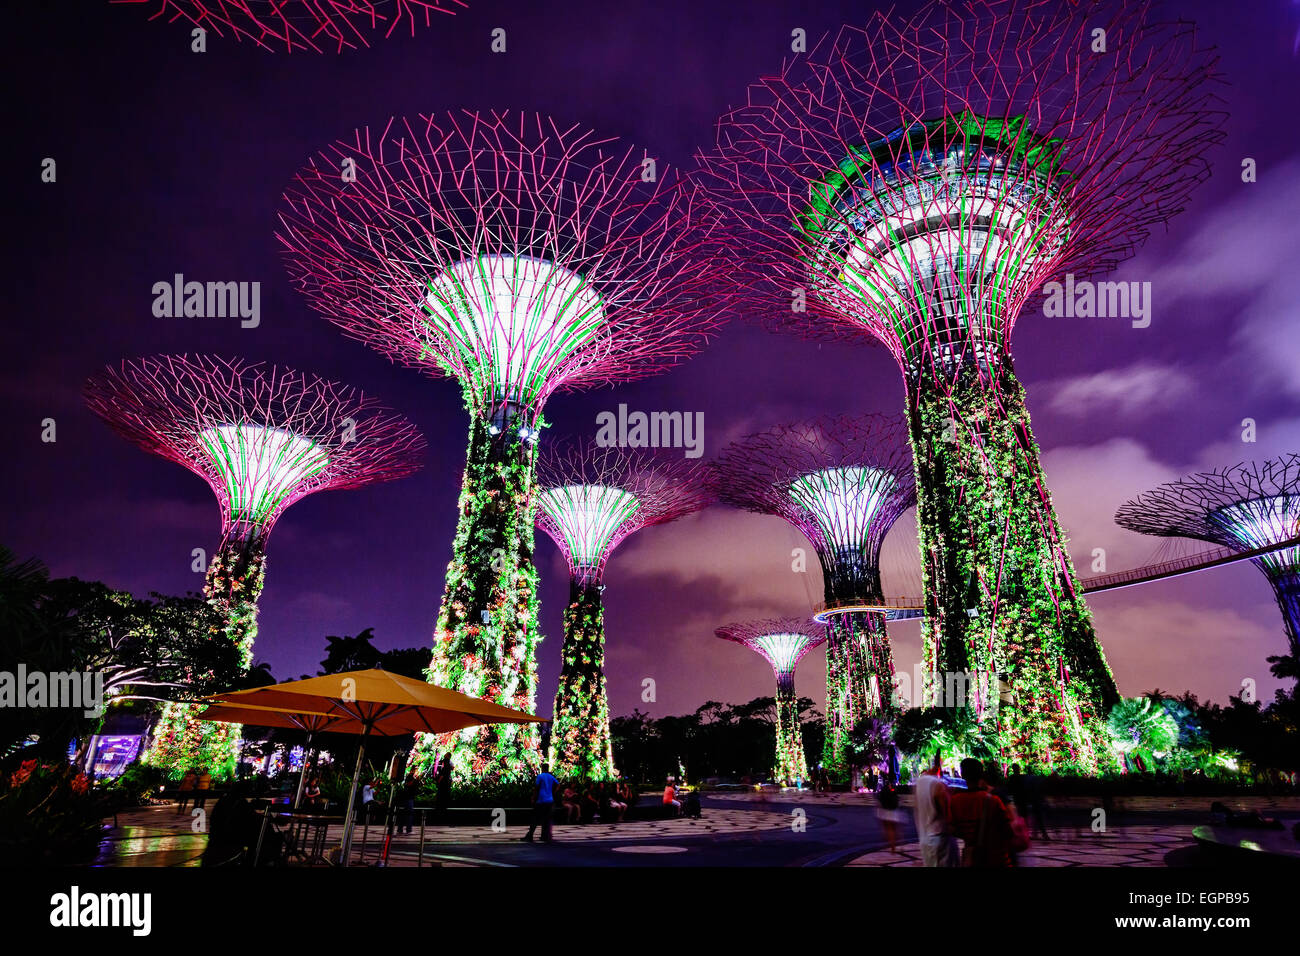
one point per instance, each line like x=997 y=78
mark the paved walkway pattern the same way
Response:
x=158 y=836
x=1287 y=805
x=1118 y=846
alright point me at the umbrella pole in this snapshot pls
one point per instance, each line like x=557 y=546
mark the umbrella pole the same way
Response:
x=352 y=795
x=302 y=773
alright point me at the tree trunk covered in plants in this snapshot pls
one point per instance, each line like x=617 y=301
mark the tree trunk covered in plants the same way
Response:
x=791 y=764
x=181 y=741
x=1002 y=602
x=580 y=738
x=491 y=655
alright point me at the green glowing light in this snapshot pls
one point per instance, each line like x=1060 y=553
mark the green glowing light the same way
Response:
x=261 y=466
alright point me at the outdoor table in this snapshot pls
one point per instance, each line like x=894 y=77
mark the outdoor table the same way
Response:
x=309 y=834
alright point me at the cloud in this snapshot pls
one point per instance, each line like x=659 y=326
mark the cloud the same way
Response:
x=1178 y=645
x=1140 y=389
x=1273 y=437
x=1246 y=243
x=1244 y=252
x=1088 y=483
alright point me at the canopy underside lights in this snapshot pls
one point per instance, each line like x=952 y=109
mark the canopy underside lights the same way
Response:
x=588 y=516
x=517 y=318
x=261 y=466
x=844 y=502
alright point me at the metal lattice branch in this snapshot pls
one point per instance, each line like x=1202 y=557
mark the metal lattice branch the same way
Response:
x=502 y=249
x=783 y=642
x=919 y=180
x=261 y=436
x=1242 y=507
x=841 y=480
x=592 y=497
x=292 y=25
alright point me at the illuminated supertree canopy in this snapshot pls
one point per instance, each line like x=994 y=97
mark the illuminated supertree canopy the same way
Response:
x=917 y=182
x=1246 y=507
x=783 y=642
x=262 y=437
x=842 y=481
x=291 y=25
x=518 y=257
x=590 y=499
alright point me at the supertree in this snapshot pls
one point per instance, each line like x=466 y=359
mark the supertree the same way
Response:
x=292 y=25
x=262 y=437
x=519 y=257
x=590 y=499
x=917 y=182
x=783 y=642
x=1246 y=507
x=842 y=481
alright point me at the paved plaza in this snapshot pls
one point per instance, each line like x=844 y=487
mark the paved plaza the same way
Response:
x=790 y=828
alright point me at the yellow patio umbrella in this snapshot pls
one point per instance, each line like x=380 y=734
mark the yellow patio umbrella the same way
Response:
x=369 y=702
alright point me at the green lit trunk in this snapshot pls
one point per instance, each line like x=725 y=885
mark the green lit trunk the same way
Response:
x=487 y=634
x=859 y=676
x=1286 y=588
x=581 y=745
x=835 y=738
x=1002 y=603
x=791 y=765
x=181 y=741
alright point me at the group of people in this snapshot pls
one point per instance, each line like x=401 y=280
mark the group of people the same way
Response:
x=196 y=784
x=986 y=817
x=581 y=803
x=578 y=802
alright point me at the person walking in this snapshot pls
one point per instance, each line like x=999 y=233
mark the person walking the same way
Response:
x=543 y=803
x=1037 y=809
x=890 y=815
x=934 y=817
x=406 y=800
x=1016 y=785
x=185 y=790
x=444 y=787
x=201 y=789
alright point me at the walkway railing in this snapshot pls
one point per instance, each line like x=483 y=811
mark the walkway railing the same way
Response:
x=903 y=606
x=1213 y=558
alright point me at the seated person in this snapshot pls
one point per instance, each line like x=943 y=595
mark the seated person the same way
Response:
x=311 y=796
x=670 y=798
x=626 y=793
x=692 y=809
x=612 y=809
x=569 y=804
x=590 y=803
x=234 y=829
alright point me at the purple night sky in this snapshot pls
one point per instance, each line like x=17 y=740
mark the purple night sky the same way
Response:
x=170 y=161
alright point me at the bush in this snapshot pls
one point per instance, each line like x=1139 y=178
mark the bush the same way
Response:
x=137 y=785
x=48 y=815
x=519 y=794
